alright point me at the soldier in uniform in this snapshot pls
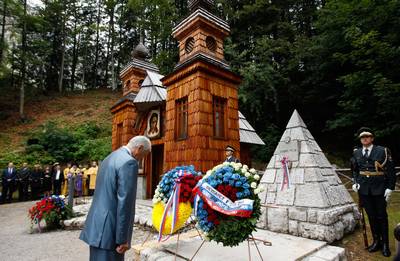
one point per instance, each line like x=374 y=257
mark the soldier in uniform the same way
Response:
x=374 y=180
x=229 y=152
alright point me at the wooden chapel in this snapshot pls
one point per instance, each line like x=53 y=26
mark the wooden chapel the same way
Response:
x=191 y=114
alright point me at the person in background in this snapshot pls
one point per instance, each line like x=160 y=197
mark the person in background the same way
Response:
x=92 y=177
x=23 y=176
x=229 y=152
x=58 y=179
x=78 y=182
x=71 y=184
x=65 y=183
x=36 y=181
x=8 y=180
x=47 y=182
x=85 y=180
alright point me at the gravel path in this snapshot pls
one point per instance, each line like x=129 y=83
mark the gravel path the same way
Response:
x=18 y=243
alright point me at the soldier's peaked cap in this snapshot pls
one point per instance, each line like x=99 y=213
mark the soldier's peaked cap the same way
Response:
x=365 y=131
x=230 y=148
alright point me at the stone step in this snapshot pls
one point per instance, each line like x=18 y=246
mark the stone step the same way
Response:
x=284 y=248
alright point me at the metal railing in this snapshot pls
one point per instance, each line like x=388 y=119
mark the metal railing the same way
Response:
x=346 y=176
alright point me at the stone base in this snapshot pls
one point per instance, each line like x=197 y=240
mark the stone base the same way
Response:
x=142 y=214
x=321 y=224
x=284 y=247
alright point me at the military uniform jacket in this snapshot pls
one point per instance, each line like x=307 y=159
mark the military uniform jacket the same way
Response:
x=373 y=185
x=232 y=159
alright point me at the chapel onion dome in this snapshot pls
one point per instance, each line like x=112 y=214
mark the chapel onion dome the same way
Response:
x=140 y=52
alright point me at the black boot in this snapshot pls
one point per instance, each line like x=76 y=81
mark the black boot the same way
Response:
x=385 y=237
x=385 y=250
x=375 y=230
x=376 y=244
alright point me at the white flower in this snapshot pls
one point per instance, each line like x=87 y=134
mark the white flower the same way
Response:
x=239 y=164
x=247 y=174
x=256 y=177
x=253 y=185
x=256 y=191
x=261 y=188
x=245 y=167
x=232 y=164
x=156 y=200
x=225 y=163
x=161 y=194
x=253 y=171
x=244 y=171
x=237 y=168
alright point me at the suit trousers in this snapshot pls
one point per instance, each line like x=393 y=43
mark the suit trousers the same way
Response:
x=99 y=254
x=375 y=206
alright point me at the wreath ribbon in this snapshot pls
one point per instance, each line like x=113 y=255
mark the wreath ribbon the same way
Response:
x=173 y=203
x=286 y=178
x=219 y=202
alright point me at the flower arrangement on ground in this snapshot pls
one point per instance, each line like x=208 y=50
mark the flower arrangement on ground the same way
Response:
x=227 y=203
x=52 y=209
x=174 y=194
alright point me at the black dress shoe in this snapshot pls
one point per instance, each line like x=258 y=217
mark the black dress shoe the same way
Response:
x=376 y=246
x=385 y=250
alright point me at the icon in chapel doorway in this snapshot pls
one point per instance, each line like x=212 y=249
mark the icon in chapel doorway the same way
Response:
x=153 y=124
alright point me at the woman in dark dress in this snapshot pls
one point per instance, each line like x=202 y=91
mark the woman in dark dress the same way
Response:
x=36 y=181
x=47 y=186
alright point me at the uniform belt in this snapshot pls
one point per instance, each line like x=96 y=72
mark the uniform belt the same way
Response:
x=371 y=173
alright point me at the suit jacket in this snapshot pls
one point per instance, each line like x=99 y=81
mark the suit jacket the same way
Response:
x=232 y=159
x=373 y=185
x=60 y=179
x=24 y=175
x=6 y=176
x=110 y=219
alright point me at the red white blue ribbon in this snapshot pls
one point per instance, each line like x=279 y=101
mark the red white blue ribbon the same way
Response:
x=221 y=203
x=286 y=178
x=173 y=204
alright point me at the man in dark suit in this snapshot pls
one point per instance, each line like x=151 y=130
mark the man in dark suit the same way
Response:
x=8 y=180
x=57 y=178
x=374 y=180
x=109 y=223
x=23 y=176
x=229 y=152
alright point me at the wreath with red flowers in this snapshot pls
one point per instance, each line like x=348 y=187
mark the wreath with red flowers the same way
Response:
x=236 y=182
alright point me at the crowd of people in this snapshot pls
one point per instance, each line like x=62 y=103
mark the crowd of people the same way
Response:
x=37 y=182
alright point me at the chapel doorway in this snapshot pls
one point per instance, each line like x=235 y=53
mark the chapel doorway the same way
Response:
x=157 y=162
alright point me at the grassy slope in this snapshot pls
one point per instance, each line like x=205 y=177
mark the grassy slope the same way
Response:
x=71 y=110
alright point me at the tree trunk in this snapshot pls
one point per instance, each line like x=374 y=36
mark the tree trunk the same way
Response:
x=96 y=58
x=61 y=76
x=23 y=69
x=113 y=83
x=74 y=51
x=3 y=28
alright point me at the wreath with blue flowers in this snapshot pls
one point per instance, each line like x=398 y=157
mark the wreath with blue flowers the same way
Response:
x=235 y=181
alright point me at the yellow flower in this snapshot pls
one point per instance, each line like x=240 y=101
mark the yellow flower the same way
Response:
x=184 y=212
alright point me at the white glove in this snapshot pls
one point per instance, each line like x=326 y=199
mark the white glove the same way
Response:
x=388 y=193
x=356 y=187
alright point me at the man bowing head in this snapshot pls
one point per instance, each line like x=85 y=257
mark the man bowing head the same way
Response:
x=109 y=223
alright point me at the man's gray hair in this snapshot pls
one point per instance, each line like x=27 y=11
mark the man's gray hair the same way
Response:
x=138 y=141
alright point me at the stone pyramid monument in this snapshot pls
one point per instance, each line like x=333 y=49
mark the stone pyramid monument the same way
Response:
x=316 y=204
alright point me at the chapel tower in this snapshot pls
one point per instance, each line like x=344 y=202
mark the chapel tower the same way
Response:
x=202 y=115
